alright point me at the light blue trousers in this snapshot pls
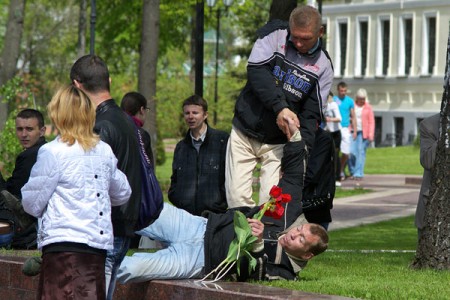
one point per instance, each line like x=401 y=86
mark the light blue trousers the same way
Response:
x=183 y=258
x=357 y=158
x=114 y=258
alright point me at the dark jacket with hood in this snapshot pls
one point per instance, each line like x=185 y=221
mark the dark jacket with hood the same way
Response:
x=117 y=130
x=198 y=179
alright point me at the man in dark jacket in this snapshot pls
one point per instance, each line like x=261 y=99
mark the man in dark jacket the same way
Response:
x=198 y=168
x=30 y=130
x=90 y=74
x=197 y=245
x=289 y=76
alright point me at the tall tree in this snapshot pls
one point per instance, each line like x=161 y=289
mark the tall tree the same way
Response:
x=433 y=248
x=11 y=49
x=147 y=63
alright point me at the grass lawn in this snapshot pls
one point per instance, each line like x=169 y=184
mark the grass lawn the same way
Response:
x=398 y=160
x=371 y=275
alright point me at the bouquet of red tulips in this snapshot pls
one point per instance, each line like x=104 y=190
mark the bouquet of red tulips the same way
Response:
x=242 y=244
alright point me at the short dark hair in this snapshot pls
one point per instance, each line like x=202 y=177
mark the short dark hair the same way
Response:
x=91 y=71
x=322 y=244
x=132 y=102
x=196 y=100
x=29 y=113
x=341 y=85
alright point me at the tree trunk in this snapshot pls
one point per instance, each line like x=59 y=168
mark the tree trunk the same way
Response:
x=11 y=49
x=433 y=248
x=148 y=63
x=82 y=26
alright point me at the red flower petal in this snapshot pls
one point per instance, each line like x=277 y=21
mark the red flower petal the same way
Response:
x=275 y=191
x=278 y=212
x=285 y=198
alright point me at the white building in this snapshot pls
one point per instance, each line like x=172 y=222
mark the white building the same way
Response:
x=394 y=49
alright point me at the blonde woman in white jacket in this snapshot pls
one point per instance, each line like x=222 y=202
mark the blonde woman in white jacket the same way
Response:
x=71 y=189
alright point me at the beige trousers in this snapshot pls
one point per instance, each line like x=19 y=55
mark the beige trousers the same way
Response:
x=243 y=153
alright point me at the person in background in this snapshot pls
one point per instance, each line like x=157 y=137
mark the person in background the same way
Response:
x=90 y=74
x=429 y=136
x=71 y=189
x=333 y=125
x=198 y=168
x=289 y=75
x=347 y=109
x=135 y=105
x=365 y=131
x=30 y=130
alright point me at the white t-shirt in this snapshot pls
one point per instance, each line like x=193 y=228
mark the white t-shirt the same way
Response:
x=358 y=114
x=333 y=112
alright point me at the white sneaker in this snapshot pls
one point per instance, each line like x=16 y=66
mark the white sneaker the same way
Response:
x=338 y=183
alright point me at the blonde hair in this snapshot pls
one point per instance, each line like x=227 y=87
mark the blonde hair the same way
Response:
x=73 y=114
x=361 y=93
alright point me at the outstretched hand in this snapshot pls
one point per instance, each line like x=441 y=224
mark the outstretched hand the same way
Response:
x=283 y=121
x=291 y=125
x=257 y=228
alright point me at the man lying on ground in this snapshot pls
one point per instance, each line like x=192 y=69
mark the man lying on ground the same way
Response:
x=196 y=245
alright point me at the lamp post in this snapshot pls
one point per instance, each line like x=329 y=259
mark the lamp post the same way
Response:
x=92 y=37
x=199 y=31
x=211 y=4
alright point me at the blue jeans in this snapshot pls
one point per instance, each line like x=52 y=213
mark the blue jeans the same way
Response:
x=357 y=158
x=183 y=258
x=114 y=258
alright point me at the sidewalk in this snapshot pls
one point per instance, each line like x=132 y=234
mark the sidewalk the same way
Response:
x=394 y=196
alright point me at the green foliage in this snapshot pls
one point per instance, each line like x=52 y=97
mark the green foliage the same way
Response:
x=49 y=45
x=19 y=96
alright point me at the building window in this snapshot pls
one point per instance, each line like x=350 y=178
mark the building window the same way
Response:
x=325 y=35
x=362 y=32
x=383 y=46
x=405 y=46
x=341 y=47
x=386 y=35
x=399 y=129
x=429 y=44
